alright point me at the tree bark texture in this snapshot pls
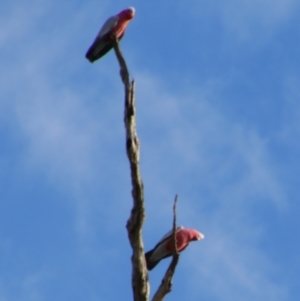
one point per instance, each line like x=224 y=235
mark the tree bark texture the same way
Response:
x=140 y=281
x=140 y=284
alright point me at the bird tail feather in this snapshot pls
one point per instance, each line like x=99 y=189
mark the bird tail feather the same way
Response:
x=150 y=263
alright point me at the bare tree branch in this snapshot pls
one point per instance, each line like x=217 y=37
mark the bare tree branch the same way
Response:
x=166 y=284
x=135 y=222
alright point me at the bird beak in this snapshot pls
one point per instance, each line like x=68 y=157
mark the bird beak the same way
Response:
x=200 y=236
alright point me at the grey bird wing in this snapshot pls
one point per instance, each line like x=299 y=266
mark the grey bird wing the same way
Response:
x=169 y=234
x=109 y=24
x=160 y=251
x=102 y=44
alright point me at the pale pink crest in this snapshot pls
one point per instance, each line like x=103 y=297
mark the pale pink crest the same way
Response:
x=127 y=13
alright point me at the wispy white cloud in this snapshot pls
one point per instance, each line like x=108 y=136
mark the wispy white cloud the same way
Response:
x=206 y=143
x=18 y=19
x=223 y=173
x=29 y=286
x=252 y=19
x=250 y=22
x=222 y=170
x=291 y=112
x=63 y=137
x=229 y=270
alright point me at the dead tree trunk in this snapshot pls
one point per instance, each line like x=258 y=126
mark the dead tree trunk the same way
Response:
x=140 y=283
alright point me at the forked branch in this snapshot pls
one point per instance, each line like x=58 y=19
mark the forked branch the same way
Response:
x=140 y=284
x=166 y=284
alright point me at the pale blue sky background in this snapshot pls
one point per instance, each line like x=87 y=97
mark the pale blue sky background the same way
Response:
x=218 y=87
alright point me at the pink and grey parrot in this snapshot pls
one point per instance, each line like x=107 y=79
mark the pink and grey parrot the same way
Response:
x=164 y=247
x=114 y=26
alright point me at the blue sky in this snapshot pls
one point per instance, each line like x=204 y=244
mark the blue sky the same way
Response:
x=218 y=113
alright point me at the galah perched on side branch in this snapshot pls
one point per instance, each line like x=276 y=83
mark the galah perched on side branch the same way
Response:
x=113 y=28
x=164 y=247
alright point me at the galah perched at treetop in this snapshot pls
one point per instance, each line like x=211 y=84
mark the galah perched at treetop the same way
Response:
x=114 y=27
x=164 y=247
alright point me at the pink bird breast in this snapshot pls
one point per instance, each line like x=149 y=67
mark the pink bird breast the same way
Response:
x=183 y=238
x=164 y=247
